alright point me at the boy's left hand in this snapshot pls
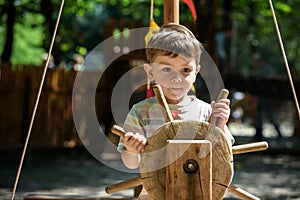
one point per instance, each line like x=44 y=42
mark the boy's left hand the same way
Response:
x=221 y=111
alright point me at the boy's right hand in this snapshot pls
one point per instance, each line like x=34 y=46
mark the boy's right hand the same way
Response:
x=134 y=142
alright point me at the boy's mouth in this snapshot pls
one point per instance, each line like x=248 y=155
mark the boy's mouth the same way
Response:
x=175 y=88
x=176 y=91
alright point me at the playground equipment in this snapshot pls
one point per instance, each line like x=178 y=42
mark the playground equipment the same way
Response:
x=193 y=166
x=187 y=160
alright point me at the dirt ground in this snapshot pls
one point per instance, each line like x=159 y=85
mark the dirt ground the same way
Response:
x=273 y=174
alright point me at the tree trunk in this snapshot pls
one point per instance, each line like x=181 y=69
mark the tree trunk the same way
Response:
x=206 y=11
x=47 y=9
x=251 y=24
x=206 y=24
x=10 y=20
x=227 y=9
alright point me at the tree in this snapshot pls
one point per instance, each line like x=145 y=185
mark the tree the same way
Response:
x=256 y=31
x=10 y=20
x=82 y=22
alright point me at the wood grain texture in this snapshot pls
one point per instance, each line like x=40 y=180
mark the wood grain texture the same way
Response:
x=171 y=11
x=189 y=173
x=153 y=161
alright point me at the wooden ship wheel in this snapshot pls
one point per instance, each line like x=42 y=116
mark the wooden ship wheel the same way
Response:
x=213 y=168
x=187 y=160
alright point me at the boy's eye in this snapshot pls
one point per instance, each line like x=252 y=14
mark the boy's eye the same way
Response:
x=167 y=69
x=186 y=70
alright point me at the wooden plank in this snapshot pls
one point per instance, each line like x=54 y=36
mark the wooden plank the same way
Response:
x=171 y=11
x=190 y=176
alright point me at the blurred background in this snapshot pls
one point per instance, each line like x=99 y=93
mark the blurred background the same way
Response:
x=240 y=37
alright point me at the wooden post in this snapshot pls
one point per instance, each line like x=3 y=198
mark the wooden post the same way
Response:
x=171 y=11
x=190 y=176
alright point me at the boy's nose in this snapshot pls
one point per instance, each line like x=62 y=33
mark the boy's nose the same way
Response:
x=176 y=77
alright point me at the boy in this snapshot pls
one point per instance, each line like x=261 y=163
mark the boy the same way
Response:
x=174 y=54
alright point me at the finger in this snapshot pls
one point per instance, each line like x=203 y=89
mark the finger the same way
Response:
x=226 y=101
x=135 y=142
x=127 y=136
x=136 y=146
x=139 y=137
x=140 y=147
x=221 y=104
x=136 y=139
x=220 y=110
x=144 y=141
x=221 y=116
x=131 y=142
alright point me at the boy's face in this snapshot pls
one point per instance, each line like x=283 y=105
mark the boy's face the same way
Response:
x=174 y=74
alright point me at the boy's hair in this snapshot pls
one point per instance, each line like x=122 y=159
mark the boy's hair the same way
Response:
x=173 y=40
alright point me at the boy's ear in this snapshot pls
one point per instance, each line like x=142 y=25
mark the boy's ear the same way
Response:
x=198 y=69
x=148 y=70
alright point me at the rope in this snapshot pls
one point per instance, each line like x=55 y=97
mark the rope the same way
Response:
x=151 y=9
x=285 y=58
x=36 y=104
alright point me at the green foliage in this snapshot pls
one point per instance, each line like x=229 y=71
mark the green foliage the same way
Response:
x=261 y=34
x=27 y=47
x=2 y=37
x=82 y=27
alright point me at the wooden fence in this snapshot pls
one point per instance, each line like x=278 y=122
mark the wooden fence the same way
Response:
x=54 y=125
